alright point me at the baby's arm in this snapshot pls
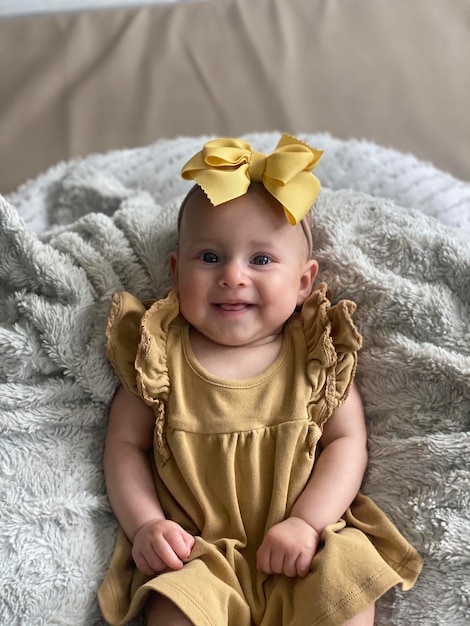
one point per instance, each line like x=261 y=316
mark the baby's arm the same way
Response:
x=158 y=543
x=288 y=547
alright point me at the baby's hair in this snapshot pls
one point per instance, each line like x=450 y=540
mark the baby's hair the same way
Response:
x=186 y=199
x=307 y=225
x=305 y=222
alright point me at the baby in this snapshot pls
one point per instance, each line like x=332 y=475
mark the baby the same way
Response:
x=237 y=443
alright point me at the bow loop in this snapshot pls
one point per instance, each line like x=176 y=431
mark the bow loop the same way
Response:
x=226 y=153
x=225 y=168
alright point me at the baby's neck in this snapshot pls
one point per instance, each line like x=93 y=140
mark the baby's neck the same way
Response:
x=234 y=362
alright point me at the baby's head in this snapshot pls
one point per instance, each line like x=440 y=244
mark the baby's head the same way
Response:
x=243 y=263
x=240 y=269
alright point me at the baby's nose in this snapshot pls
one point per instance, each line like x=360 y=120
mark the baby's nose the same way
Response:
x=233 y=274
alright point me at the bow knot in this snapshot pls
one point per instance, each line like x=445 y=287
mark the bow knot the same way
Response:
x=257 y=166
x=225 y=168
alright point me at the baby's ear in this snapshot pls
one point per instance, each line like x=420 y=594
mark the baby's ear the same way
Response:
x=174 y=269
x=307 y=278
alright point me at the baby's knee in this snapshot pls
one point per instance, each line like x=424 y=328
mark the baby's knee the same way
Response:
x=365 y=618
x=161 y=611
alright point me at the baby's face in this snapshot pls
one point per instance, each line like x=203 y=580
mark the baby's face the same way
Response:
x=241 y=268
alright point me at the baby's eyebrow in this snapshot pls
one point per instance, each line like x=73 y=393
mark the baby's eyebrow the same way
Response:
x=261 y=244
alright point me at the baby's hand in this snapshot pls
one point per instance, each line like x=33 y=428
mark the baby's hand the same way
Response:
x=288 y=548
x=161 y=544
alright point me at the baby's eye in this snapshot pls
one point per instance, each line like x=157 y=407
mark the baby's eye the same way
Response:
x=209 y=257
x=260 y=259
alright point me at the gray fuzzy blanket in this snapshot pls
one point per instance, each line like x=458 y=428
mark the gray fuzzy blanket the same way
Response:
x=111 y=226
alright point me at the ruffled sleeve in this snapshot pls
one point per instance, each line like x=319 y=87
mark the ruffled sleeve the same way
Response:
x=151 y=365
x=332 y=344
x=123 y=333
x=137 y=335
x=137 y=349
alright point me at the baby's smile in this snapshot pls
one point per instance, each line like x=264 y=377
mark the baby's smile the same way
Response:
x=233 y=306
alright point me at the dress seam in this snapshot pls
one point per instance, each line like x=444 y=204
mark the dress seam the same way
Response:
x=303 y=420
x=350 y=596
x=235 y=384
x=399 y=565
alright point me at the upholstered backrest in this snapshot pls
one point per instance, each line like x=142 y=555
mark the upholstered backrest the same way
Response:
x=396 y=73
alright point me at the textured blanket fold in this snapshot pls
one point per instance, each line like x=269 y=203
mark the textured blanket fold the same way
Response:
x=410 y=277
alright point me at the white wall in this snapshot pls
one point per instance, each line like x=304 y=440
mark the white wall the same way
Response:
x=10 y=8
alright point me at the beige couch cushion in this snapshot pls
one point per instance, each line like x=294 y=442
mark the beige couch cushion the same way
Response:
x=396 y=73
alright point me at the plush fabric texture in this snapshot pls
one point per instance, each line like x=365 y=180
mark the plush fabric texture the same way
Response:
x=50 y=199
x=111 y=225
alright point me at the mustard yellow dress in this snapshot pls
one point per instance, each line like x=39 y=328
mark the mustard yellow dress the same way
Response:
x=231 y=458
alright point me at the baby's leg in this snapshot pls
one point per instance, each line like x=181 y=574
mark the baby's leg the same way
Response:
x=366 y=618
x=161 y=611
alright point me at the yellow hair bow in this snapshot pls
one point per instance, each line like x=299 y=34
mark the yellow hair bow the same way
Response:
x=225 y=168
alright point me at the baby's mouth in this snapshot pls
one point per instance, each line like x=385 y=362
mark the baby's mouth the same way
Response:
x=233 y=306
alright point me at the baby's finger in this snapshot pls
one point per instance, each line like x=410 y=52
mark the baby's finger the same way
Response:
x=290 y=566
x=277 y=562
x=263 y=561
x=178 y=543
x=143 y=565
x=303 y=564
x=189 y=541
x=166 y=553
